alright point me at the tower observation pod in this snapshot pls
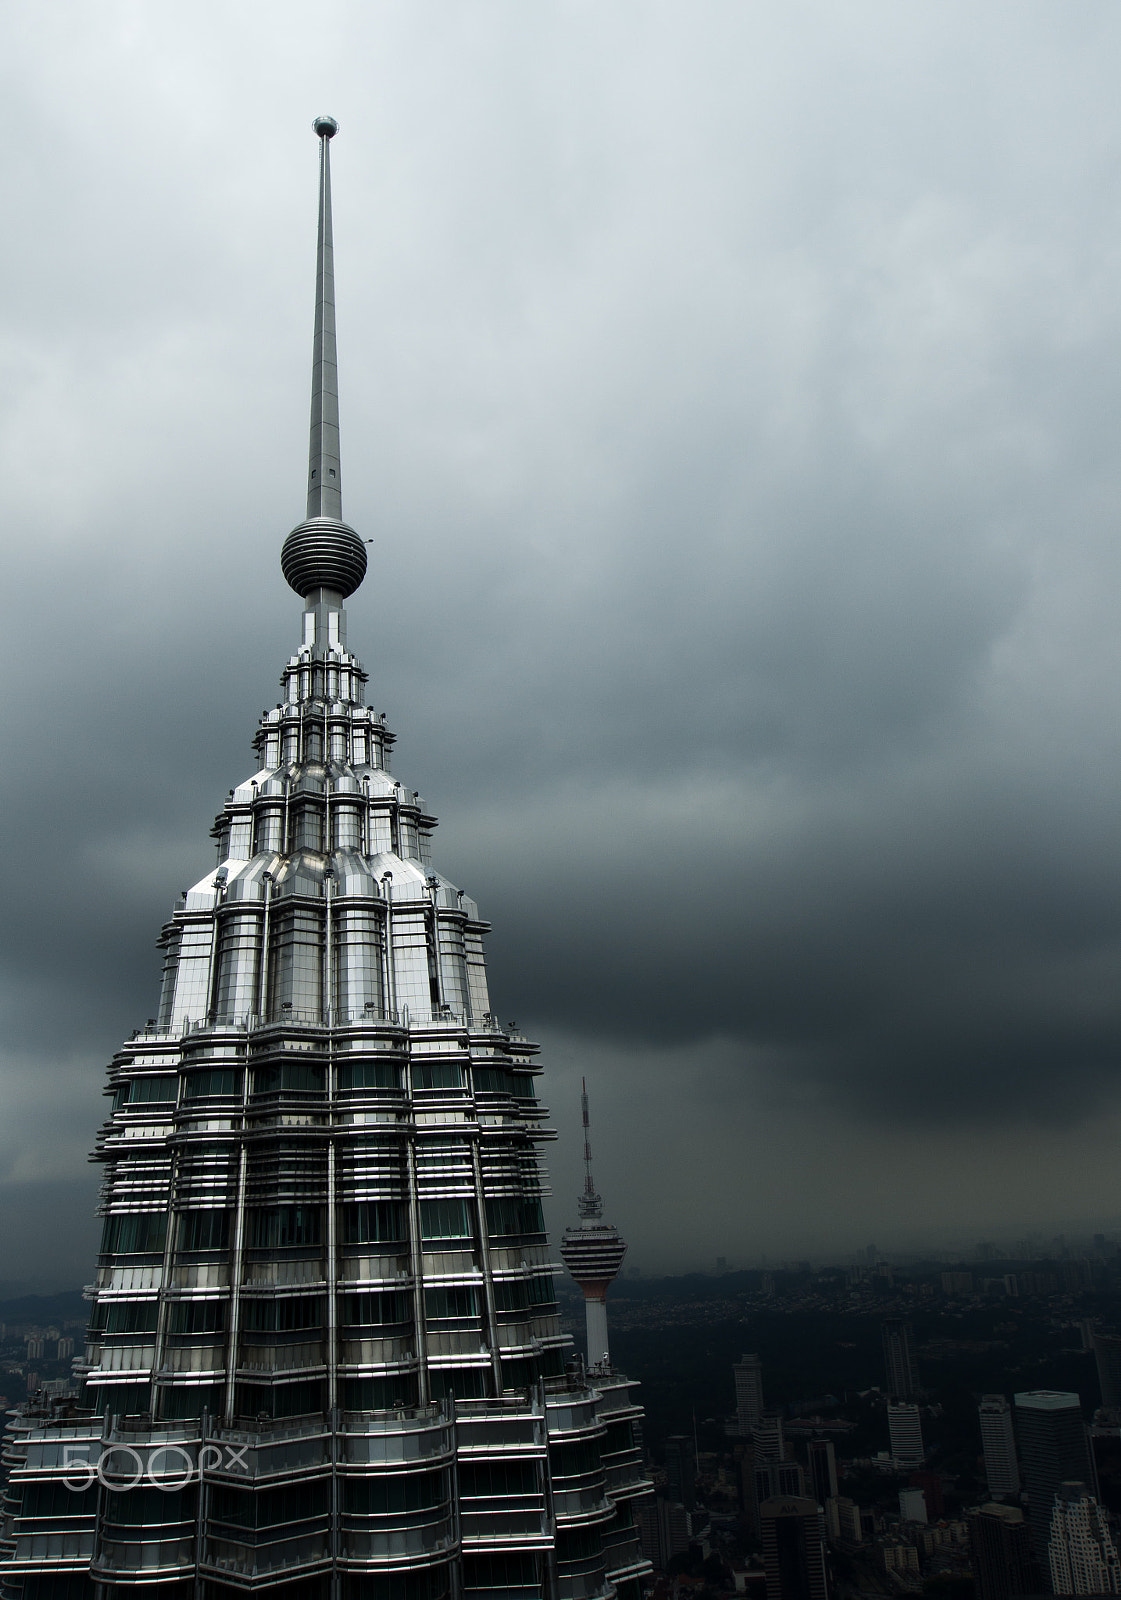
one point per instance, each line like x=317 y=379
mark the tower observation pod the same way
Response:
x=324 y=1358
x=593 y=1253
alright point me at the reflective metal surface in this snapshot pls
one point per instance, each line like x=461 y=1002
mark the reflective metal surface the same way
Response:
x=324 y=1339
x=324 y=490
x=323 y=552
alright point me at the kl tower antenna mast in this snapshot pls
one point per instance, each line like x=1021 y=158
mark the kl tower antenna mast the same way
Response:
x=593 y=1252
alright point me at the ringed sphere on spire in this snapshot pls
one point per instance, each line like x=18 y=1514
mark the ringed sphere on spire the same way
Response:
x=323 y=554
x=325 y=127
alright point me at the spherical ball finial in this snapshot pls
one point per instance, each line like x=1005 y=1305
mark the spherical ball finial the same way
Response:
x=325 y=127
x=323 y=553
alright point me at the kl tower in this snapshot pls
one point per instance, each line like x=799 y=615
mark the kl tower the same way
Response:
x=593 y=1254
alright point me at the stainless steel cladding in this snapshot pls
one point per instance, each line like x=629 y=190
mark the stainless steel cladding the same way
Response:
x=324 y=1355
x=322 y=554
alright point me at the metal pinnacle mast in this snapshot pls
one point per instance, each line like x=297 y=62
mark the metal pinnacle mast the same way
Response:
x=323 y=559
x=324 y=487
x=590 y=1204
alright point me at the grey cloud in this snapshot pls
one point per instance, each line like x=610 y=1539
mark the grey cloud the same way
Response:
x=733 y=410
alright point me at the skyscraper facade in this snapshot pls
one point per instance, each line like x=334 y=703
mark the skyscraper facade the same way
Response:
x=748 y=1375
x=768 y=1437
x=821 y=1460
x=905 y=1433
x=793 y=1535
x=901 y=1373
x=1001 y=1553
x=1054 y=1447
x=1082 y=1553
x=681 y=1471
x=324 y=1358
x=1107 y=1357
x=775 y=1480
x=766 y=1468
x=912 y=1505
x=998 y=1443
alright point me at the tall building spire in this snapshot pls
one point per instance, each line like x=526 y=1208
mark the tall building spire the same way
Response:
x=593 y=1253
x=324 y=484
x=590 y=1203
x=323 y=559
x=324 y=1254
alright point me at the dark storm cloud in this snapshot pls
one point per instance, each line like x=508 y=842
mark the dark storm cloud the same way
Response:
x=734 y=412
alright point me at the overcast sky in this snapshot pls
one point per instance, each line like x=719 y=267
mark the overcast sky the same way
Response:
x=732 y=393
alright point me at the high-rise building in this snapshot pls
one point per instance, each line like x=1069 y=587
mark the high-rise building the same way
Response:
x=1053 y=1446
x=766 y=1448
x=821 y=1459
x=842 y=1520
x=324 y=1358
x=1082 y=1553
x=768 y=1437
x=901 y=1373
x=1000 y=1549
x=912 y=1505
x=593 y=1254
x=793 y=1549
x=1107 y=1358
x=905 y=1432
x=998 y=1442
x=931 y=1485
x=664 y=1530
x=778 y=1480
x=899 y=1556
x=954 y=1283
x=748 y=1375
x=681 y=1470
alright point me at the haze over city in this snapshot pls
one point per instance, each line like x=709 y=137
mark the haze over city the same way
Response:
x=732 y=401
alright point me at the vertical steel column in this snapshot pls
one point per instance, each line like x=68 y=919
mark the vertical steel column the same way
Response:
x=328 y=964
x=202 y=1505
x=416 y=1251
x=165 y=1275
x=336 y=1579
x=390 y=963
x=549 y=1557
x=456 y=1566
x=211 y=973
x=488 y=1279
x=236 y=1267
x=332 y=1268
x=332 y=1218
x=263 y=974
x=433 y=887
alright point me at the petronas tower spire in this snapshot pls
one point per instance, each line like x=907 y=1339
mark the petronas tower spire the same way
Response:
x=323 y=558
x=325 y=484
